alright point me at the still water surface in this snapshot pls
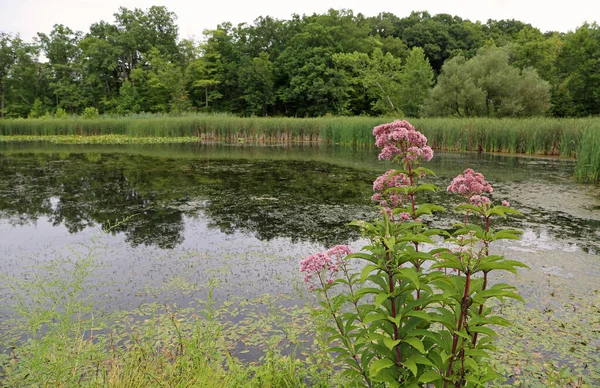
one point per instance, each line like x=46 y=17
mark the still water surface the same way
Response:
x=248 y=213
x=244 y=215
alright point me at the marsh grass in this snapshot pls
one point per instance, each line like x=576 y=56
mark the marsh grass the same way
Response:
x=533 y=136
x=588 y=159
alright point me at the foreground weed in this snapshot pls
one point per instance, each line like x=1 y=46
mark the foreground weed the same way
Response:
x=415 y=314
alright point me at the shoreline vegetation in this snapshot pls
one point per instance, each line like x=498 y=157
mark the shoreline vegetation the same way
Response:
x=571 y=138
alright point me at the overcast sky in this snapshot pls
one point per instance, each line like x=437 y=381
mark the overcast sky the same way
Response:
x=27 y=17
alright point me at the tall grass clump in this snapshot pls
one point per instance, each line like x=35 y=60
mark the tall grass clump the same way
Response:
x=588 y=159
x=532 y=136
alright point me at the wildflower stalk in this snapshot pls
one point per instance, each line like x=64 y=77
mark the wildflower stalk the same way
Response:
x=345 y=340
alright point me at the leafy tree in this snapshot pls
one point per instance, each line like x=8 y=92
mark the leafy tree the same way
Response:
x=456 y=93
x=416 y=80
x=128 y=99
x=7 y=60
x=578 y=73
x=138 y=31
x=256 y=78
x=488 y=81
x=63 y=53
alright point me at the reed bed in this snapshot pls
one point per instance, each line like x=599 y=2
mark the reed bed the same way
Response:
x=572 y=138
x=588 y=159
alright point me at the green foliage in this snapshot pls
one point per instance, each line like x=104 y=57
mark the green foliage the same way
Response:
x=90 y=113
x=307 y=66
x=37 y=109
x=487 y=85
x=578 y=79
x=404 y=320
x=416 y=80
x=60 y=114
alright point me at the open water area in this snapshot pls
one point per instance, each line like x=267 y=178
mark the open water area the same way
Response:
x=165 y=219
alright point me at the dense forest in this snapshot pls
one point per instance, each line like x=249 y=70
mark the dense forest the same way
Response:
x=338 y=63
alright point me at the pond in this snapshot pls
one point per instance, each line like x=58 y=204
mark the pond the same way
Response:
x=179 y=215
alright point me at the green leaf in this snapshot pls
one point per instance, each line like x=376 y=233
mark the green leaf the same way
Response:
x=390 y=343
x=380 y=364
x=477 y=353
x=506 y=234
x=427 y=208
x=374 y=317
x=419 y=238
x=429 y=376
x=380 y=298
x=366 y=271
x=483 y=330
x=419 y=314
x=466 y=206
x=426 y=187
x=410 y=275
x=410 y=364
x=415 y=343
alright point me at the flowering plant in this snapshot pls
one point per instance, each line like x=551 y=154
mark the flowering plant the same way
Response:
x=416 y=312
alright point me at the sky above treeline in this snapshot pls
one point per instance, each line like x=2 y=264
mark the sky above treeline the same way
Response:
x=27 y=17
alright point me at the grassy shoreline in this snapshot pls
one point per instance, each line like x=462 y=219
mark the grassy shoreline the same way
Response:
x=571 y=138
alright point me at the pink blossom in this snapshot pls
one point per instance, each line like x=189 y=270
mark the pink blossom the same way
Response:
x=470 y=183
x=480 y=200
x=339 y=251
x=387 y=211
x=505 y=203
x=386 y=181
x=405 y=216
x=318 y=264
x=400 y=138
x=323 y=266
x=427 y=153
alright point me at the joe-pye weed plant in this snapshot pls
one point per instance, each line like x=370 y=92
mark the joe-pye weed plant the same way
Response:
x=416 y=314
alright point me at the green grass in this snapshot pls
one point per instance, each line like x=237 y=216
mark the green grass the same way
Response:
x=569 y=138
x=588 y=159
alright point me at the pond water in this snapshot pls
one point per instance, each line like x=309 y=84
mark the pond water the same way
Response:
x=246 y=214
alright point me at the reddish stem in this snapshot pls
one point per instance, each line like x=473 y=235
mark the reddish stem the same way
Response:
x=396 y=336
x=463 y=313
x=341 y=331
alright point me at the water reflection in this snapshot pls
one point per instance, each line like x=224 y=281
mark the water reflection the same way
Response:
x=304 y=193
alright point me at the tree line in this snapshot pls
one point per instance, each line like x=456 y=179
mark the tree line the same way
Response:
x=337 y=63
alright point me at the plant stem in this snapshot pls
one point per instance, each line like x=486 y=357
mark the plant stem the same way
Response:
x=347 y=342
x=463 y=313
x=393 y=302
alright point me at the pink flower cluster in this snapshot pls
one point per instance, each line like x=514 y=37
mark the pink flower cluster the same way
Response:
x=323 y=266
x=480 y=201
x=400 y=138
x=386 y=181
x=470 y=183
